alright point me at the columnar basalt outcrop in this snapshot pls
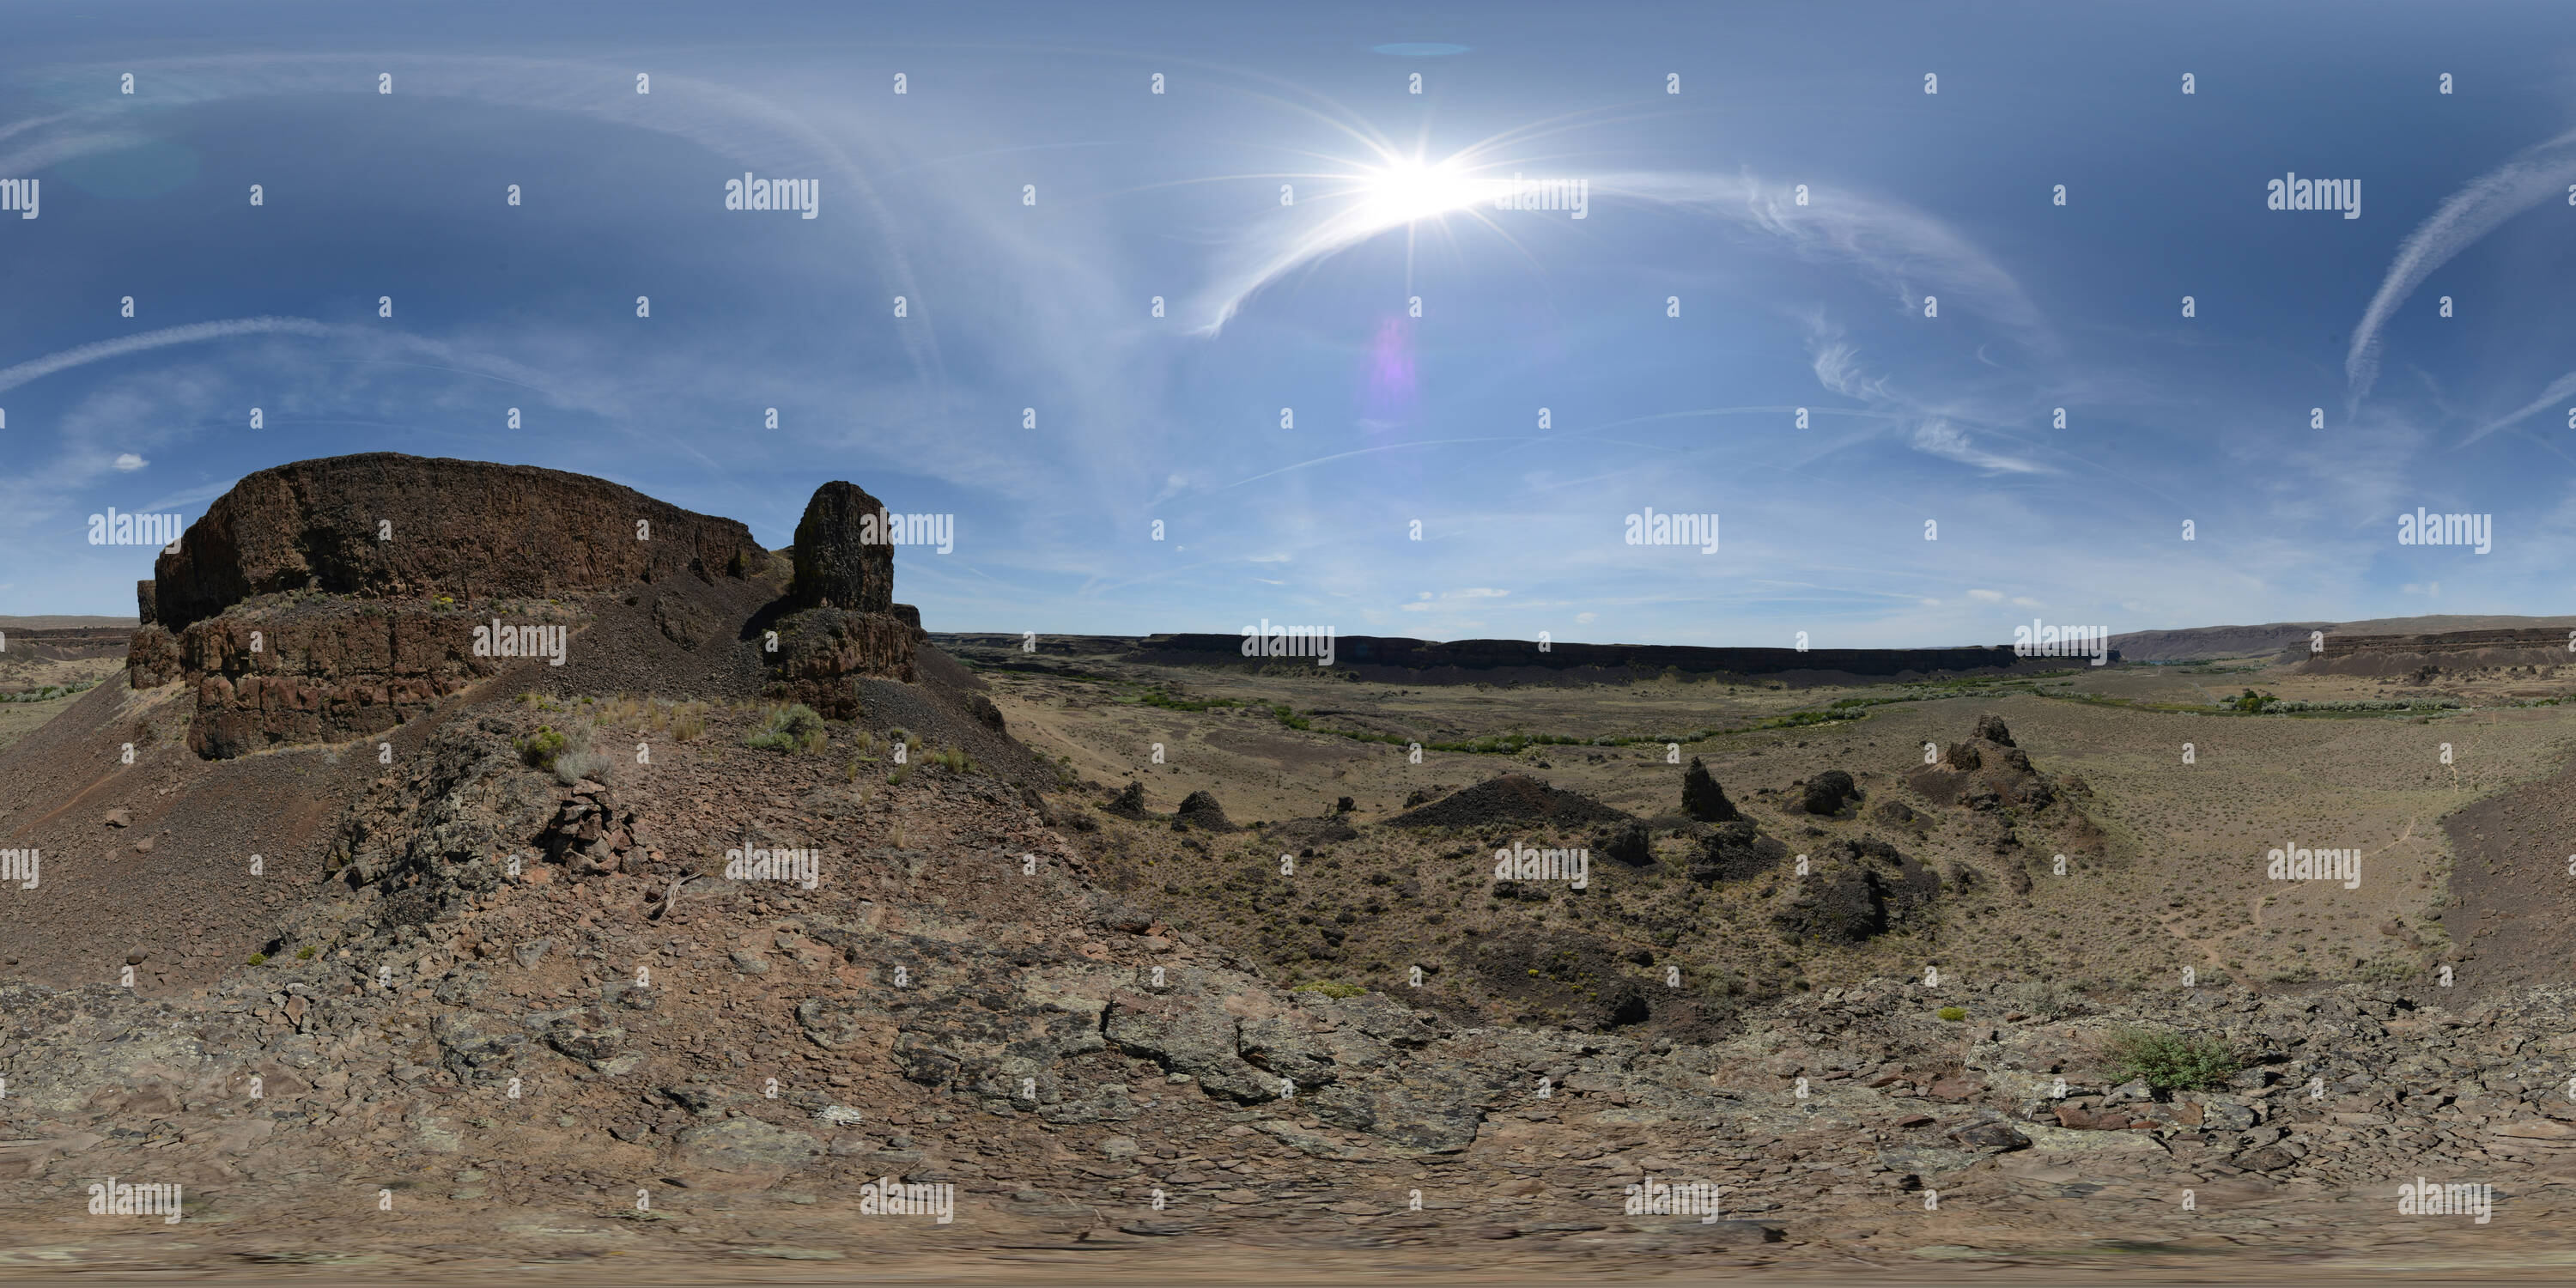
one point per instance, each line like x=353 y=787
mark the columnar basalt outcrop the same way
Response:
x=388 y=526
x=842 y=555
x=336 y=598
x=322 y=673
x=843 y=622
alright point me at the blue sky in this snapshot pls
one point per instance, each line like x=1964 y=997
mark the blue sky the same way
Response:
x=1691 y=196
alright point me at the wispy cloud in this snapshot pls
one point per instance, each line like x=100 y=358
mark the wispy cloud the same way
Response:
x=2530 y=177
x=1905 y=251
x=746 y=127
x=1939 y=437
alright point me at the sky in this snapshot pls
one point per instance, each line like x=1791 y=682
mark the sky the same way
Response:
x=1208 y=315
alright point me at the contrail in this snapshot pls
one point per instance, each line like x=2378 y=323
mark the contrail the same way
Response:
x=39 y=368
x=2533 y=175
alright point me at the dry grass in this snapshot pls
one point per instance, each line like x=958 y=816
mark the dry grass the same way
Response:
x=683 y=721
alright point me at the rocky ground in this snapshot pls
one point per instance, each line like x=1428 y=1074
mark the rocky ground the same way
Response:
x=710 y=1069
x=711 y=1078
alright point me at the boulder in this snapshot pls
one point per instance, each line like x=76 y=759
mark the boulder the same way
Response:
x=1628 y=843
x=1828 y=792
x=1200 y=809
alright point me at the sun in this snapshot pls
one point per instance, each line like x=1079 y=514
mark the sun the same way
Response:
x=1409 y=191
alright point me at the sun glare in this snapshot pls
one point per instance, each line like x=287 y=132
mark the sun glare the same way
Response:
x=1408 y=191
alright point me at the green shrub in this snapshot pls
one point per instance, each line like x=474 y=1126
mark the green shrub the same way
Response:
x=1953 y=1014
x=793 y=727
x=2169 y=1062
x=305 y=954
x=2252 y=703
x=259 y=959
x=539 y=749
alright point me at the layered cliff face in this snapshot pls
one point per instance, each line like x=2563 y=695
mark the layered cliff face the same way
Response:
x=335 y=598
x=388 y=526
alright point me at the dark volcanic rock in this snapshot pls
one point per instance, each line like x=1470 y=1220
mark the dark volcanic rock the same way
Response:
x=1629 y=844
x=388 y=526
x=151 y=658
x=1735 y=851
x=843 y=555
x=1573 y=976
x=820 y=650
x=1827 y=792
x=1129 y=803
x=1855 y=890
x=289 y=674
x=842 y=623
x=334 y=598
x=1991 y=1135
x=1510 y=798
x=1702 y=798
x=1200 y=809
x=1985 y=772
